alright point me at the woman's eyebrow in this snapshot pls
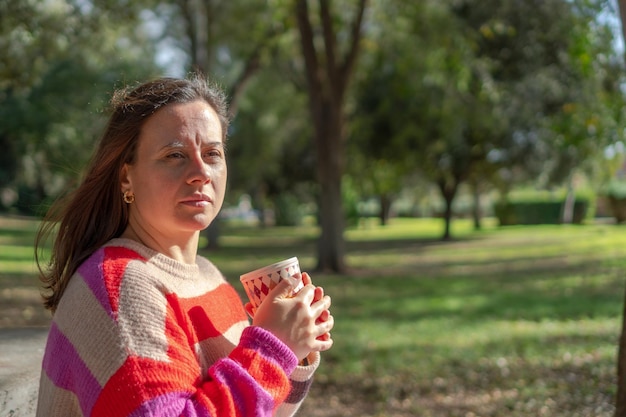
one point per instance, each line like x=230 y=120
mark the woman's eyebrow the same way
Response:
x=178 y=144
x=174 y=144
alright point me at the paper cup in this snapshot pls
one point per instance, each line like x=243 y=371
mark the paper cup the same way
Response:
x=260 y=282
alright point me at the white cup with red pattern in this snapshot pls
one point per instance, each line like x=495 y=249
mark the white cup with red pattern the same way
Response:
x=260 y=282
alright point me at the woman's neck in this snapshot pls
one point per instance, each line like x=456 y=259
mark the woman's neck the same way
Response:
x=182 y=250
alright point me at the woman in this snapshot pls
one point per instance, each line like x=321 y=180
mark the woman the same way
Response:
x=142 y=326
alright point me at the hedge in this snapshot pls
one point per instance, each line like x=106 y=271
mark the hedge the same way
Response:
x=511 y=213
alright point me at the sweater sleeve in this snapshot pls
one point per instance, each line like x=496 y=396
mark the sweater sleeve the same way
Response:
x=301 y=379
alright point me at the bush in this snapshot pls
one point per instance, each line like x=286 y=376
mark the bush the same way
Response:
x=615 y=193
x=616 y=189
x=287 y=210
x=537 y=212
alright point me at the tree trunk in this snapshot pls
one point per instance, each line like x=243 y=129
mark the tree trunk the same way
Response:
x=448 y=192
x=327 y=77
x=476 y=209
x=620 y=402
x=447 y=218
x=568 y=206
x=329 y=149
x=385 y=209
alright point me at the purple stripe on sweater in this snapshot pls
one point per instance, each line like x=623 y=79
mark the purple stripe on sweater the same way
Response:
x=269 y=346
x=249 y=397
x=67 y=370
x=193 y=409
x=172 y=403
x=91 y=271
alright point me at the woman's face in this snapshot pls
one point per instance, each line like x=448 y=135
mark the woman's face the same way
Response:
x=179 y=173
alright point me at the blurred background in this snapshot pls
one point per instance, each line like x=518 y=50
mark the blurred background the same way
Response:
x=413 y=124
x=385 y=108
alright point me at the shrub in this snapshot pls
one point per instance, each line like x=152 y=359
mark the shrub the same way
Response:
x=537 y=212
x=615 y=193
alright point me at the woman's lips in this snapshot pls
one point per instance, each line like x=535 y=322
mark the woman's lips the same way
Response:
x=201 y=200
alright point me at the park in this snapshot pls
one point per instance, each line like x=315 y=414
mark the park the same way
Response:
x=451 y=172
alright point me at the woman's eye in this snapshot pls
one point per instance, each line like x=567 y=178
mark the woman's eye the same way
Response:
x=175 y=155
x=214 y=153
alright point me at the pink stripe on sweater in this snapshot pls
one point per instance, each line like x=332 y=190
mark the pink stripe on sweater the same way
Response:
x=249 y=398
x=91 y=271
x=172 y=403
x=69 y=372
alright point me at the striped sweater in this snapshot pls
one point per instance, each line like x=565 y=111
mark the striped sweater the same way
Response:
x=139 y=334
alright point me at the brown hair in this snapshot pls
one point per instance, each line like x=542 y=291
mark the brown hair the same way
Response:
x=95 y=212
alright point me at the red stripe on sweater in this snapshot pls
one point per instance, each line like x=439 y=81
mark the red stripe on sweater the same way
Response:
x=208 y=315
x=115 y=261
x=138 y=381
x=232 y=391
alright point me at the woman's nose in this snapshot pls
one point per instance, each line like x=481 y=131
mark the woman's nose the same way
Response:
x=199 y=170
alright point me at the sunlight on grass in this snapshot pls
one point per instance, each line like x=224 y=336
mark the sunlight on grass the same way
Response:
x=410 y=228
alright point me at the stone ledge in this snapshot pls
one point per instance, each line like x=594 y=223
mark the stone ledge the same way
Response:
x=21 y=352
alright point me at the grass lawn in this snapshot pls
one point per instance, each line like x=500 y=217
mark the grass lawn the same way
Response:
x=518 y=321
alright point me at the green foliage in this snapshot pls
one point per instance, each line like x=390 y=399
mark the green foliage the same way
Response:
x=493 y=96
x=269 y=147
x=615 y=192
x=52 y=112
x=615 y=189
x=511 y=213
x=287 y=210
x=351 y=198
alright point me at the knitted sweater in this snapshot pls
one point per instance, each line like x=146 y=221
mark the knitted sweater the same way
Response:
x=139 y=334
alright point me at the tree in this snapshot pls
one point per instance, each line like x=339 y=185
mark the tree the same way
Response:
x=551 y=127
x=221 y=34
x=424 y=112
x=52 y=112
x=487 y=99
x=328 y=74
x=270 y=151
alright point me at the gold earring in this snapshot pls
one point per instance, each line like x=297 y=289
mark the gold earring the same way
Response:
x=129 y=197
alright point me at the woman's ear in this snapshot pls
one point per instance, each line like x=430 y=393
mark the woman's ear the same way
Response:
x=125 y=182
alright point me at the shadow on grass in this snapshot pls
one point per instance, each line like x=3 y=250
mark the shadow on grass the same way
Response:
x=577 y=386
x=532 y=296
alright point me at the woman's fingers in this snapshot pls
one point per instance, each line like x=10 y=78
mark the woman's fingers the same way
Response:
x=306 y=278
x=325 y=337
x=249 y=309
x=319 y=294
x=320 y=306
x=323 y=316
x=324 y=341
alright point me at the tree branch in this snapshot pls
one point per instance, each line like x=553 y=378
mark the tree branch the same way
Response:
x=251 y=67
x=622 y=13
x=190 y=29
x=355 y=39
x=330 y=42
x=308 y=48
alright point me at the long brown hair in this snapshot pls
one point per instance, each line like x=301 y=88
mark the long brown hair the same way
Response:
x=95 y=212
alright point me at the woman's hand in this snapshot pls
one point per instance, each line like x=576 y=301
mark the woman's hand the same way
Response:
x=301 y=321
